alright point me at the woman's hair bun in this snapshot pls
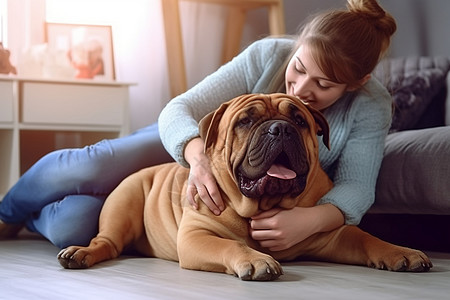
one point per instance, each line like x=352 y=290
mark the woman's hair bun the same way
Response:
x=370 y=9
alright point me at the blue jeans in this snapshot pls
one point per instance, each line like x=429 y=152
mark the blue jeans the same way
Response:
x=62 y=194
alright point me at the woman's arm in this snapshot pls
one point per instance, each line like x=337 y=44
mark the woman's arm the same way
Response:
x=201 y=180
x=249 y=72
x=357 y=144
x=279 y=229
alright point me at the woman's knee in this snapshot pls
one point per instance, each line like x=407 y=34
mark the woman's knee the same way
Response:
x=72 y=221
x=76 y=235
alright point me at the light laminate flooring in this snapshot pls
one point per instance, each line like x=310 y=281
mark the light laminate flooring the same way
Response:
x=29 y=270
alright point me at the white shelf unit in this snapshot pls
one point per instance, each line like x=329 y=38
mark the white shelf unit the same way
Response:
x=40 y=115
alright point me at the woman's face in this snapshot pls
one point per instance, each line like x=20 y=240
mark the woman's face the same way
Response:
x=305 y=80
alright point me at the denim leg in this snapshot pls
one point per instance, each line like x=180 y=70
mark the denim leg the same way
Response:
x=92 y=170
x=71 y=221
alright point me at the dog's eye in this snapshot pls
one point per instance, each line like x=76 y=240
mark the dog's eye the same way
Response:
x=297 y=116
x=244 y=122
x=298 y=119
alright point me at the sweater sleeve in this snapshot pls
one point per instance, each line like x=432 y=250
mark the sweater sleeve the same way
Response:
x=246 y=73
x=358 y=136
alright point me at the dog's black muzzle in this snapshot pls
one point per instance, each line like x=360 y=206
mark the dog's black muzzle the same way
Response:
x=276 y=161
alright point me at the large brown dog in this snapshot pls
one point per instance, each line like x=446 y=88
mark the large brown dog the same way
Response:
x=264 y=154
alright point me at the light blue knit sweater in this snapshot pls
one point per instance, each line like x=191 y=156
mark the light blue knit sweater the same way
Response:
x=358 y=123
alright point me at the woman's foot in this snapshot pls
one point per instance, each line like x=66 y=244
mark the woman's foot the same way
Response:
x=8 y=231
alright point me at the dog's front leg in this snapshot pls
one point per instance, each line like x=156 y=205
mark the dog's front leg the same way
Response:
x=120 y=224
x=200 y=248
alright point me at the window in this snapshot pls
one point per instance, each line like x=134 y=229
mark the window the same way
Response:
x=3 y=23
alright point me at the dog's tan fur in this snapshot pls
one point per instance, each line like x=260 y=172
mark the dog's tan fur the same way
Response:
x=149 y=212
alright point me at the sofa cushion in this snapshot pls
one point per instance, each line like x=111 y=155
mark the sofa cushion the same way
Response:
x=412 y=82
x=415 y=173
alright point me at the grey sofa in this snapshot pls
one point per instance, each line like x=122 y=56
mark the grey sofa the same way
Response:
x=412 y=205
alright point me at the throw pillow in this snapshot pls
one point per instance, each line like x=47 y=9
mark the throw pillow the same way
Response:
x=412 y=82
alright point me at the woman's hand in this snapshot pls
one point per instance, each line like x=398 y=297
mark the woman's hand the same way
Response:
x=201 y=180
x=279 y=229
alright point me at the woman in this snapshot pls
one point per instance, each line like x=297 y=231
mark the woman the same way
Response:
x=328 y=66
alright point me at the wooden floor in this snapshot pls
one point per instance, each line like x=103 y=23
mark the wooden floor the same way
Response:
x=29 y=270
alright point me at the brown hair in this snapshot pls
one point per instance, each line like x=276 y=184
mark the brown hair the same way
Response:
x=346 y=44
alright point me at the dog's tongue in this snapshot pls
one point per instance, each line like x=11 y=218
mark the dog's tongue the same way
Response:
x=281 y=172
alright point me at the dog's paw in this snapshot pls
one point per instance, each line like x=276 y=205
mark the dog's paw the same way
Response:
x=261 y=269
x=402 y=259
x=74 y=258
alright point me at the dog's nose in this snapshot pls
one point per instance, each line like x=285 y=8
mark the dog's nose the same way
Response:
x=280 y=129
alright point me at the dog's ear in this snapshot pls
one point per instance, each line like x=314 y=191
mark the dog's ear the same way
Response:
x=323 y=127
x=209 y=124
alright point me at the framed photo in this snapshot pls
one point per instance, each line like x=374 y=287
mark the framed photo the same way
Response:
x=89 y=48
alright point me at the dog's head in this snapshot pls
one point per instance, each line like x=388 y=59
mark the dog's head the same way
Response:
x=263 y=149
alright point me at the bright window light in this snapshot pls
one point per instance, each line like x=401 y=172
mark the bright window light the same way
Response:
x=95 y=12
x=3 y=23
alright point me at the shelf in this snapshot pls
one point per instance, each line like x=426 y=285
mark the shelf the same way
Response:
x=6 y=78
x=39 y=115
x=65 y=127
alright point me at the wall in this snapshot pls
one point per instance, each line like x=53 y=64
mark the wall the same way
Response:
x=139 y=47
x=139 y=43
x=138 y=37
x=422 y=25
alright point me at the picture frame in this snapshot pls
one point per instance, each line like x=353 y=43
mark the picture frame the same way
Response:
x=89 y=48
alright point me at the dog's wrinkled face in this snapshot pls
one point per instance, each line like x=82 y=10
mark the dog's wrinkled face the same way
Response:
x=275 y=161
x=267 y=145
